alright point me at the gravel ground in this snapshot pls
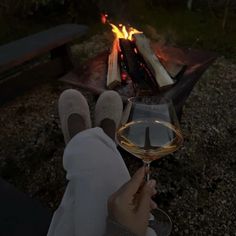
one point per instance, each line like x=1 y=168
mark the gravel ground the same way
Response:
x=196 y=185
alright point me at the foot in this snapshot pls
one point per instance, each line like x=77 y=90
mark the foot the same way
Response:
x=108 y=112
x=76 y=124
x=109 y=127
x=74 y=113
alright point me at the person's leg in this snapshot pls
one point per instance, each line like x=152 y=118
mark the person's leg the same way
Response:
x=95 y=169
x=108 y=116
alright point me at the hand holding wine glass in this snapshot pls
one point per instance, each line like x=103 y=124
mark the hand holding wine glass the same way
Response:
x=130 y=206
x=151 y=130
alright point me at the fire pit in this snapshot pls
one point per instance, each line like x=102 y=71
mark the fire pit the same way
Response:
x=169 y=71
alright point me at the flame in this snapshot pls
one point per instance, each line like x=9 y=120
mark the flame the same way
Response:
x=123 y=33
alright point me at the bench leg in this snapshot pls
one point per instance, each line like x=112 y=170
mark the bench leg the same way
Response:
x=64 y=52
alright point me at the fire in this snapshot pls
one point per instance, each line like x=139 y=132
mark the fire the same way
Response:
x=121 y=32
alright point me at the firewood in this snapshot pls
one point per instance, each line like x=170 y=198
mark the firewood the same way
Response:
x=136 y=69
x=113 y=72
x=161 y=75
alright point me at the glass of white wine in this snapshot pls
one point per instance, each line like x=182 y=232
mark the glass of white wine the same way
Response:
x=150 y=130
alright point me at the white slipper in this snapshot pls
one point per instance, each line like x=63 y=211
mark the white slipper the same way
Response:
x=109 y=105
x=70 y=102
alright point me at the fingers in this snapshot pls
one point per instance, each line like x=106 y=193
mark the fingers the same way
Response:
x=153 y=205
x=133 y=185
x=139 y=196
x=146 y=203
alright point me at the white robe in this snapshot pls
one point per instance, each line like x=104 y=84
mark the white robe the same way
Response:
x=95 y=170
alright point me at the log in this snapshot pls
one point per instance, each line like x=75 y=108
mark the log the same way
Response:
x=113 y=71
x=162 y=77
x=138 y=72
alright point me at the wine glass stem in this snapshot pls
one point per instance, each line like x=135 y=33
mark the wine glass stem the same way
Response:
x=147 y=166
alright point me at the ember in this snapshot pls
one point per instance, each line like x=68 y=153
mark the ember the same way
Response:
x=104 y=18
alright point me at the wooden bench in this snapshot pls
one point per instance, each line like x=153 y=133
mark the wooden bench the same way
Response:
x=53 y=43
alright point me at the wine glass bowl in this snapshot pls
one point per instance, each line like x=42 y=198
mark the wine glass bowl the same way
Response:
x=151 y=129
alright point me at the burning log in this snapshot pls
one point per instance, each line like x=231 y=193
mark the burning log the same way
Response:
x=136 y=68
x=163 y=79
x=113 y=73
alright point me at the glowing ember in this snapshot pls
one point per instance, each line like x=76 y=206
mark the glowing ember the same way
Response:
x=104 y=18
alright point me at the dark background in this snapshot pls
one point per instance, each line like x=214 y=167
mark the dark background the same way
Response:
x=205 y=24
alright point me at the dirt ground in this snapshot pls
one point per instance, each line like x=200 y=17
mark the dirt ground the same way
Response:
x=196 y=185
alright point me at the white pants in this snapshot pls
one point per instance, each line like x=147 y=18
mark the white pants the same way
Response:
x=95 y=170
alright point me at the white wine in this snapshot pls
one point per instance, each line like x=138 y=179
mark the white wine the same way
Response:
x=149 y=139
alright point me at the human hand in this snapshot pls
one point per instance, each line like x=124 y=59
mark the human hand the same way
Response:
x=130 y=206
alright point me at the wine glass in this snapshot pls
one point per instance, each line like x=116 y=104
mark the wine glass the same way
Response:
x=150 y=130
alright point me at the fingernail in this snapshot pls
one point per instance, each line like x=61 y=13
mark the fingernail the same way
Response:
x=151 y=183
x=154 y=191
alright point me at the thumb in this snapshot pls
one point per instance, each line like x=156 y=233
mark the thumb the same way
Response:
x=145 y=199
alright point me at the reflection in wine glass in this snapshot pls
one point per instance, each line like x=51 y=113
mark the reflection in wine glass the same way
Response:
x=149 y=131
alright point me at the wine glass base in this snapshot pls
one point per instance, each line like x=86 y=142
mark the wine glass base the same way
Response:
x=160 y=222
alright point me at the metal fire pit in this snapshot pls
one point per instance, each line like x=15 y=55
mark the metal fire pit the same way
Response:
x=92 y=74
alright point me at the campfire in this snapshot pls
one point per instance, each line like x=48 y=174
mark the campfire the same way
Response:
x=136 y=65
x=132 y=60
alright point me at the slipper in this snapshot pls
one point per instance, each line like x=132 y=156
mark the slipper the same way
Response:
x=109 y=105
x=71 y=102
